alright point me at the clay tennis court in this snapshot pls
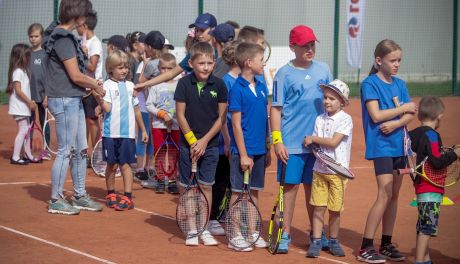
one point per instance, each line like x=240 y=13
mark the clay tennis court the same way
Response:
x=148 y=234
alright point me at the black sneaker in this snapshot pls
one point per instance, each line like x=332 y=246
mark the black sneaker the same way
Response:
x=370 y=255
x=390 y=252
x=160 y=188
x=140 y=176
x=172 y=187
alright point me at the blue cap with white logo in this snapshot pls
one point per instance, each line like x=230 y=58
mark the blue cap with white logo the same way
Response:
x=204 y=21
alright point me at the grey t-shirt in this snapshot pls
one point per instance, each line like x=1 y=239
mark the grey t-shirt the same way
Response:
x=37 y=69
x=221 y=68
x=58 y=83
x=151 y=70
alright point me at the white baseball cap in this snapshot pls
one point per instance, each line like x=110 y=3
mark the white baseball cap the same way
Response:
x=340 y=88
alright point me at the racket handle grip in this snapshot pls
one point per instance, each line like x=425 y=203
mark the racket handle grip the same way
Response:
x=194 y=165
x=404 y=171
x=246 y=177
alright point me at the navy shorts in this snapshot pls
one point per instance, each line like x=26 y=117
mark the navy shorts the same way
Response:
x=206 y=170
x=119 y=150
x=257 y=178
x=299 y=169
x=428 y=218
x=386 y=165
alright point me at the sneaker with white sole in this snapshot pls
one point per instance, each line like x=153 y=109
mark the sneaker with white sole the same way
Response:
x=260 y=242
x=61 y=206
x=215 y=228
x=208 y=239
x=191 y=240
x=238 y=243
x=86 y=203
x=150 y=183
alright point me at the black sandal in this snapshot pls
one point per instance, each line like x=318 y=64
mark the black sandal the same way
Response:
x=19 y=162
x=33 y=160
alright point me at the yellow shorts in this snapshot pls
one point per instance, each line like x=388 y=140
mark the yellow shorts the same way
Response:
x=328 y=190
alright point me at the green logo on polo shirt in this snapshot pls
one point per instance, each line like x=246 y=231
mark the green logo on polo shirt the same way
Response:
x=213 y=94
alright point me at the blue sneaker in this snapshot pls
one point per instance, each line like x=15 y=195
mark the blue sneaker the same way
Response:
x=314 y=249
x=335 y=248
x=284 y=244
x=324 y=240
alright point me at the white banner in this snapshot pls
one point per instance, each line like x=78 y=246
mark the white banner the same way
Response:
x=355 y=22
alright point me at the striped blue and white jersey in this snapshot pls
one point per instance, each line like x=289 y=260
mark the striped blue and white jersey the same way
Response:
x=120 y=122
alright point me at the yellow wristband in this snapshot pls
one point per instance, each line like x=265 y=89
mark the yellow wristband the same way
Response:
x=277 y=137
x=190 y=137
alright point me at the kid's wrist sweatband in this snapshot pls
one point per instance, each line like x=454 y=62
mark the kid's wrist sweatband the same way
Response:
x=161 y=114
x=277 y=137
x=190 y=137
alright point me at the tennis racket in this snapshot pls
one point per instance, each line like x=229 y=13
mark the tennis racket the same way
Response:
x=409 y=155
x=192 y=212
x=331 y=163
x=224 y=204
x=98 y=164
x=34 y=141
x=275 y=228
x=445 y=177
x=166 y=158
x=243 y=219
x=268 y=51
x=50 y=138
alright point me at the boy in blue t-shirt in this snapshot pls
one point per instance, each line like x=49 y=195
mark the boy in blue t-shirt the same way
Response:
x=297 y=101
x=248 y=149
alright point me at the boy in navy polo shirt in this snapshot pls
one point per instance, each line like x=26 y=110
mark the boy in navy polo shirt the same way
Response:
x=201 y=101
x=248 y=149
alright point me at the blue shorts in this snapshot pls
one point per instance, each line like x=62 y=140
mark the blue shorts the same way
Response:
x=206 y=170
x=386 y=165
x=257 y=178
x=119 y=150
x=299 y=168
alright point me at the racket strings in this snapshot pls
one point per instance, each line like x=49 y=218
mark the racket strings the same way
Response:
x=243 y=220
x=166 y=161
x=442 y=177
x=192 y=212
x=276 y=229
x=97 y=159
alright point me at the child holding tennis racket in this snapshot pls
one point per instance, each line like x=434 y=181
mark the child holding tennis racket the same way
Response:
x=201 y=101
x=333 y=133
x=249 y=132
x=160 y=103
x=121 y=111
x=384 y=134
x=426 y=142
x=20 y=103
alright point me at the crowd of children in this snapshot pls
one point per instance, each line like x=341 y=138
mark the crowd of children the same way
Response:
x=218 y=114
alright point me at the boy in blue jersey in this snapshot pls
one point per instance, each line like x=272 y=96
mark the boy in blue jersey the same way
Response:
x=201 y=101
x=248 y=149
x=121 y=109
x=297 y=101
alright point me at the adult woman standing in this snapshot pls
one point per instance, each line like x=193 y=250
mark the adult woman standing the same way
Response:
x=64 y=79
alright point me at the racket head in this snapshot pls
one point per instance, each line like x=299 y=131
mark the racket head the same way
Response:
x=192 y=211
x=276 y=225
x=331 y=163
x=444 y=177
x=97 y=159
x=34 y=139
x=49 y=133
x=166 y=159
x=267 y=52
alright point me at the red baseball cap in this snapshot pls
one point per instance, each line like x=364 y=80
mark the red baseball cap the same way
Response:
x=300 y=35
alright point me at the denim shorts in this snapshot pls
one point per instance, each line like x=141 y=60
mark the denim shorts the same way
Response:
x=206 y=169
x=257 y=178
x=119 y=150
x=386 y=165
x=299 y=168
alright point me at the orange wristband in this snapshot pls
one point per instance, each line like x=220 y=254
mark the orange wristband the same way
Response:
x=161 y=114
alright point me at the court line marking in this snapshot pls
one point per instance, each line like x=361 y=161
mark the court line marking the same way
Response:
x=303 y=252
x=58 y=245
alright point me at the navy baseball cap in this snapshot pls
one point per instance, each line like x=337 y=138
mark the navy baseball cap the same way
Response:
x=118 y=41
x=154 y=39
x=204 y=21
x=223 y=33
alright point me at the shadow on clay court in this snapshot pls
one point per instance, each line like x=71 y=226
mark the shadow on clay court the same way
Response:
x=167 y=225
x=39 y=192
x=437 y=256
x=6 y=154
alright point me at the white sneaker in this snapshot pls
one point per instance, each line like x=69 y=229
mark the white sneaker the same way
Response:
x=240 y=244
x=260 y=243
x=215 y=228
x=208 y=239
x=191 y=240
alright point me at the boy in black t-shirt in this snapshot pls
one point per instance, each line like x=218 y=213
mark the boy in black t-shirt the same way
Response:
x=201 y=102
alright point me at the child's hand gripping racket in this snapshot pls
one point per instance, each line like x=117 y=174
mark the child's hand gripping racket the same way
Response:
x=445 y=177
x=275 y=229
x=192 y=212
x=331 y=163
x=243 y=222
